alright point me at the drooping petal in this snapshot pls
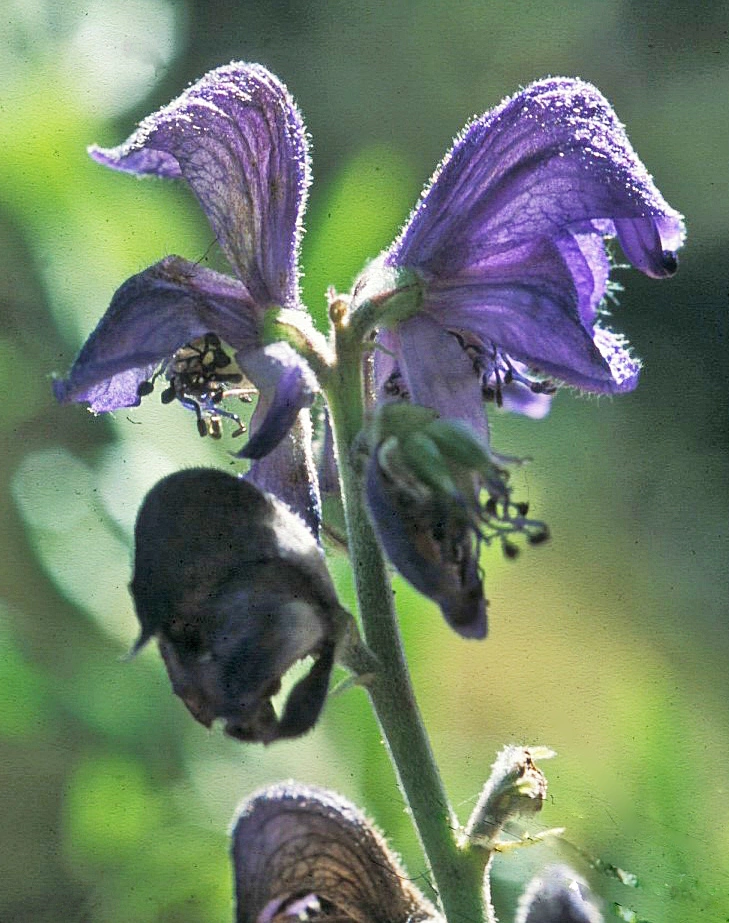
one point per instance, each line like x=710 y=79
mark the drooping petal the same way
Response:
x=286 y=385
x=236 y=590
x=237 y=137
x=528 y=306
x=288 y=472
x=299 y=849
x=542 y=163
x=153 y=314
x=416 y=540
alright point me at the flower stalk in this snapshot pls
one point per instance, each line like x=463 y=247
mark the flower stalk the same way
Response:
x=457 y=876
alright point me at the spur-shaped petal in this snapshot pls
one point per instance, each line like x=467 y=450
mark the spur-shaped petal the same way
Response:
x=541 y=164
x=305 y=853
x=153 y=314
x=237 y=137
x=235 y=588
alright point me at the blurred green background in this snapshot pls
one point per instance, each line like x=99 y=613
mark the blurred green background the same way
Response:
x=609 y=645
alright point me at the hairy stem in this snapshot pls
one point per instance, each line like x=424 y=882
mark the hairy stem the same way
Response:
x=458 y=879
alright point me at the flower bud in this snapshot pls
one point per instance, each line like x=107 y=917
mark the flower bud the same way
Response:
x=557 y=896
x=235 y=589
x=516 y=787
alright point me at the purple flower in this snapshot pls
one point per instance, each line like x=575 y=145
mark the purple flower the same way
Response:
x=303 y=853
x=508 y=249
x=238 y=140
x=435 y=496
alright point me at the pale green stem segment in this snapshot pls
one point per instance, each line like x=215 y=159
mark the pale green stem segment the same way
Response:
x=457 y=873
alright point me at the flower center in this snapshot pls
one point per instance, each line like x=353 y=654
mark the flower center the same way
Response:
x=497 y=370
x=200 y=376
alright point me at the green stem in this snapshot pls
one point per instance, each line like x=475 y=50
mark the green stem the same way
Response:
x=458 y=878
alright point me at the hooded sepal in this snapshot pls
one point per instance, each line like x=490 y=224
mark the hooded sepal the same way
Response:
x=305 y=853
x=238 y=139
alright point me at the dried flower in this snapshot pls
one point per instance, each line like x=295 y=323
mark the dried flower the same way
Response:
x=235 y=588
x=307 y=854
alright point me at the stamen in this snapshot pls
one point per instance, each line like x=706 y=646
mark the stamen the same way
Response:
x=394 y=387
x=496 y=368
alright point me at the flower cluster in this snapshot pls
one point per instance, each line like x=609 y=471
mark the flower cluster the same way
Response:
x=501 y=274
x=493 y=292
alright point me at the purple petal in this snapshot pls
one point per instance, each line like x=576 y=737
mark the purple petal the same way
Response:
x=153 y=314
x=529 y=307
x=438 y=373
x=520 y=398
x=237 y=137
x=584 y=255
x=541 y=164
x=641 y=241
x=295 y=845
x=289 y=473
x=286 y=385
x=406 y=536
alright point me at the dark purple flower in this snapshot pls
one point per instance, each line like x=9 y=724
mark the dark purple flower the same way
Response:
x=303 y=853
x=235 y=589
x=508 y=249
x=238 y=140
x=435 y=496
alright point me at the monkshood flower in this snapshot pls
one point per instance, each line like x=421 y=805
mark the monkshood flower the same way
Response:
x=435 y=496
x=507 y=252
x=238 y=140
x=302 y=853
x=234 y=587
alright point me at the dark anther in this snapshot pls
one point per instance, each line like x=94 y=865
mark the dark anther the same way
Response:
x=145 y=388
x=537 y=538
x=168 y=395
x=522 y=508
x=510 y=550
x=542 y=387
x=490 y=507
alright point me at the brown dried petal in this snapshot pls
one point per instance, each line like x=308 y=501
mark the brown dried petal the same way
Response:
x=306 y=853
